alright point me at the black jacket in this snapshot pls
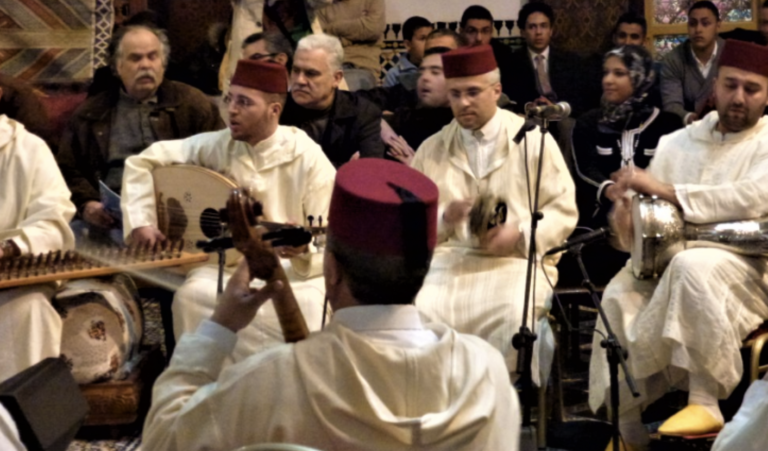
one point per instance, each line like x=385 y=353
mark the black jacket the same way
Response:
x=597 y=153
x=181 y=111
x=354 y=124
x=573 y=80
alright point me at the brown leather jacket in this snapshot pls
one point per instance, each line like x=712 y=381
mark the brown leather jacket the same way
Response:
x=181 y=111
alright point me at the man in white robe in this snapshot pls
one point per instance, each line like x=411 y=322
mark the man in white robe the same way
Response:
x=35 y=211
x=685 y=328
x=477 y=285
x=376 y=378
x=285 y=170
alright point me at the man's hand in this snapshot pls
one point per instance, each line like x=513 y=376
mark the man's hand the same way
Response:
x=643 y=182
x=146 y=236
x=290 y=251
x=613 y=192
x=542 y=101
x=400 y=150
x=457 y=211
x=239 y=303
x=621 y=223
x=502 y=240
x=94 y=213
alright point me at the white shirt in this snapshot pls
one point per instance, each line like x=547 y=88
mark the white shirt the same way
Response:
x=480 y=145
x=545 y=54
x=705 y=68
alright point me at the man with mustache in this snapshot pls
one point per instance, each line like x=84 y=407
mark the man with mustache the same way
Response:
x=345 y=125
x=685 y=329
x=118 y=123
x=477 y=279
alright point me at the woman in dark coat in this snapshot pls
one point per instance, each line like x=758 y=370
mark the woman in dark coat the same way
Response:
x=623 y=132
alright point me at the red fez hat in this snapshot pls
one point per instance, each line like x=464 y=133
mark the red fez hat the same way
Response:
x=384 y=208
x=746 y=56
x=262 y=75
x=469 y=61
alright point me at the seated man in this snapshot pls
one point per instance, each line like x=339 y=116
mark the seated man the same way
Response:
x=632 y=29
x=685 y=329
x=282 y=166
x=406 y=71
x=476 y=283
x=544 y=74
x=477 y=29
x=115 y=124
x=746 y=431
x=398 y=96
x=376 y=378
x=343 y=124
x=410 y=127
x=35 y=211
x=688 y=71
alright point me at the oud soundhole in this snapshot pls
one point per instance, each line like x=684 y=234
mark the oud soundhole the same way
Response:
x=210 y=223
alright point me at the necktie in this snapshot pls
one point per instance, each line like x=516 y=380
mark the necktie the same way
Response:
x=541 y=72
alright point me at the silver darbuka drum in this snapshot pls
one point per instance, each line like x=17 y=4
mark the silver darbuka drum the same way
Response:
x=660 y=233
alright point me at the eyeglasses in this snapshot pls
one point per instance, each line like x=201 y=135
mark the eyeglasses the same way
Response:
x=240 y=102
x=261 y=56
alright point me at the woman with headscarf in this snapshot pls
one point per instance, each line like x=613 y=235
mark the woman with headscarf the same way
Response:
x=623 y=132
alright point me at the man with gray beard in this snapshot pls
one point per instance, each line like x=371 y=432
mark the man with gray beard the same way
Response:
x=120 y=122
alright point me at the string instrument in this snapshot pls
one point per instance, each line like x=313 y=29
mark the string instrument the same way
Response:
x=262 y=262
x=487 y=213
x=58 y=265
x=188 y=199
x=660 y=233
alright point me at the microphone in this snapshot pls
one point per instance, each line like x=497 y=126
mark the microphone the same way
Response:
x=559 y=110
x=584 y=238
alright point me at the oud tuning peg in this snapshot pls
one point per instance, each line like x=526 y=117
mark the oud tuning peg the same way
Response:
x=310 y=220
x=320 y=221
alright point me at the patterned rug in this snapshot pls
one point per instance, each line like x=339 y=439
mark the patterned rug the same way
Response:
x=54 y=40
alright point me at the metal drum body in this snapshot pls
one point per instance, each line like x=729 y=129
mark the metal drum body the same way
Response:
x=658 y=235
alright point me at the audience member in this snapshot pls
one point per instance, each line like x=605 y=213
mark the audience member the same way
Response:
x=685 y=328
x=344 y=124
x=398 y=96
x=269 y=47
x=689 y=70
x=35 y=211
x=477 y=29
x=406 y=72
x=377 y=377
x=284 y=169
x=411 y=126
x=543 y=74
x=477 y=278
x=359 y=25
x=115 y=124
x=623 y=132
x=630 y=29
x=21 y=103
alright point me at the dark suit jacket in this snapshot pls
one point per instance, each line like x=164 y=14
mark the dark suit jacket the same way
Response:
x=572 y=80
x=181 y=111
x=354 y=124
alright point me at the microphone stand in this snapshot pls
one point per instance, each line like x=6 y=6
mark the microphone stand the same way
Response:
x=523 y=340
x=615 y=354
